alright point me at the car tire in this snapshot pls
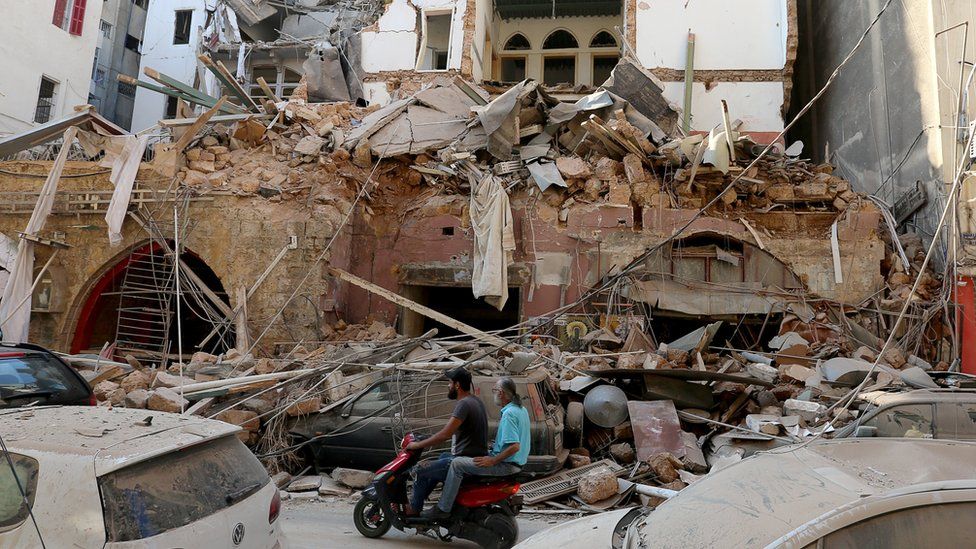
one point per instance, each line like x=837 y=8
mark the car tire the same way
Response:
x=505 y=528
x=370 y=518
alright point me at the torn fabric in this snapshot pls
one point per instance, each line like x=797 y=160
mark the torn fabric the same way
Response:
x=15 y=305
x=494 y=239
x=498 y=119
x=323 y=74
x=8 y=252
x=545 y=175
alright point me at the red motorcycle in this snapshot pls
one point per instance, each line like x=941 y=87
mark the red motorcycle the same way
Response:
x=484 y=511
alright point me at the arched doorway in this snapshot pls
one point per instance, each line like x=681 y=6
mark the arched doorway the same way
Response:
x=133 y=306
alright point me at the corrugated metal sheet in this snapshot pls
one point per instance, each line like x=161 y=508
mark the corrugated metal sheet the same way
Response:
x=514 y=9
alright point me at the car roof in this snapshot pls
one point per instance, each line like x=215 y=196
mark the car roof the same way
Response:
x=884 y=398
x=765 y=497
x=27 y=349
x=112 y=437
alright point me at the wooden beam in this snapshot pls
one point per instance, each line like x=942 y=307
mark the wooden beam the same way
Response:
x=267 y=90
x=229 y=108
x=179 y=86
x=417 y=307
x=191 y=132
x=228 y=80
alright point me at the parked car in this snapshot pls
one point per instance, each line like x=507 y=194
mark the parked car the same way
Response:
x=922 y=413
x=880 y=492
x=116 y=478
x=364 y=432
x=32 y=374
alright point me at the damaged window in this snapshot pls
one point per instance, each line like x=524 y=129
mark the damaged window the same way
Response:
x=907 y=420
x=435 y=47
x=707 y=263
x=178 y=488
x=374 y=401
x=957 y=420
x=513 y=69
x=181 y=31
x=560 y=40
x=13 y=511
x=603 y=39
x=602 y=67
x=559 y=70
x=518 y=41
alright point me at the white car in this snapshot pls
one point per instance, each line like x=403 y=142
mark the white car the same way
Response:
x=117 y=478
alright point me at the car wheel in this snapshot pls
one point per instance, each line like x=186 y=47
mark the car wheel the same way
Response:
x=505 y=528
x=370 y=519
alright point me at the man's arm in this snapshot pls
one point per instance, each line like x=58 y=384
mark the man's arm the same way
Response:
x=488 y=461
x=439 y=437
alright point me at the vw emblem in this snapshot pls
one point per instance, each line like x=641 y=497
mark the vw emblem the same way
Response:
x=238 y=536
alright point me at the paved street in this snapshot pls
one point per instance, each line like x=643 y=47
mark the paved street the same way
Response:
x=313 y=524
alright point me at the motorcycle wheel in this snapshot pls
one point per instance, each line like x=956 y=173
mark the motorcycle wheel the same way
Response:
x=370 y=519
x=505 y=528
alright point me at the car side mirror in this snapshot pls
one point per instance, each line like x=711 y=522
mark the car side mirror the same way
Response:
x=865 y=431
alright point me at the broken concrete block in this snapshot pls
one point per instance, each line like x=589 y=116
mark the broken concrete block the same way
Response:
x=619 y=192
x=265 y=366
x=281 y=479
x=762 y=371
x=597 y=485
x=202 y=166
x=164 y=399
x=164 y=379
x=572 y=167
x=352 y=478
x=808 y=411
x=305 y=407
x=105 y=389
x=310 y=145
x=665 y=466
x=246 y=419
x=332 y=488
x=578 y=460
x=203 y=357
x=305 y=484
x=136 y=380
x=260 y=406
x=694 y=458
x=137 y=398
x=795 y=372
x=622 y=452
x=193 y=154
x=209 y=141
x=194 y=178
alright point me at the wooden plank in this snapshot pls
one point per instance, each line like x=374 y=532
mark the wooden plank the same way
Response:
x=417 y=307
x=179 y=86
x=267 y=90
x=200 y=407
x=228 y=80
x=191 y=132
x=229 y=108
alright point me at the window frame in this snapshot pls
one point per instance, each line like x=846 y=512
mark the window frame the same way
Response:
x=593 y=58
x=176 y=26
x=558 y=30
x=512 y=37
x=52 y=102
x=422 y=51
x=502 y=58
x=572 y=56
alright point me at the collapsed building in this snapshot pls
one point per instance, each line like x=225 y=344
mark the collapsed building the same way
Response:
x=299 y=239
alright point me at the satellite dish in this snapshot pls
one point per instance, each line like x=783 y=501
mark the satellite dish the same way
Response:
x=606 y=406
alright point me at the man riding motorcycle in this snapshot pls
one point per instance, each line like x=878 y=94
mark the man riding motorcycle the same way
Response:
x=508 y=454
x=468 y=431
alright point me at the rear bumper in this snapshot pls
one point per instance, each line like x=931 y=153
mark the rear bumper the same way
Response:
x=542 y=465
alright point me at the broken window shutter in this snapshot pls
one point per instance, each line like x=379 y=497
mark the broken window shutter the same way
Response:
x=59 y=7
x=77 y=17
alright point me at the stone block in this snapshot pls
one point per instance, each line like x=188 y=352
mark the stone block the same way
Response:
x=246 y=419
x=305 y=484
x=137 y=398
x=136 y=380
x=305 y=407
x=352 y=478
x=166 y=400
x=597 y=485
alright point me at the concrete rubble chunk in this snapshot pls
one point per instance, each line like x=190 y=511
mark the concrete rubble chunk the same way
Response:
x=281 y=479
x=694 y=458
x=305 y=406
x=622 y=452
x=808 y=411
x=573 y=167
x=665 y=467
x=762 y=371
x=352 y=478
x=305 y=484
x=164 y=399
x=164 y=379
x=246 y=419
x=330 y=487
x=137 y=398
x=597 y=485
x=136 y=380
x=310 y=145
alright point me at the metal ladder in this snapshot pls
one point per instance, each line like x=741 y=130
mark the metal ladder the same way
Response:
x=144 y=316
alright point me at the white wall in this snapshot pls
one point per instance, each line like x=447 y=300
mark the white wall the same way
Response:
x=159 y=52
x=393 y=45
x=536 y=30
x=757 y=104
x=31 y=46
x=744 y=34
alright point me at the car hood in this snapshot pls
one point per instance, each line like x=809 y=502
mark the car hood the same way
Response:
x=592 y=531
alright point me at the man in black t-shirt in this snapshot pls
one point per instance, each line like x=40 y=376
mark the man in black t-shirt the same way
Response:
x=468 y=430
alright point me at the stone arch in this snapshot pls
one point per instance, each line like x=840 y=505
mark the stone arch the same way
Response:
x=93 y=318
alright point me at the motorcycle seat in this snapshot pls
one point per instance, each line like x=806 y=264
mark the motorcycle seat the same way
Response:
x=480 y=480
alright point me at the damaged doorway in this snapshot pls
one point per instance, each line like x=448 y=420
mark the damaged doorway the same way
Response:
x=133 y=306
x=460 y=304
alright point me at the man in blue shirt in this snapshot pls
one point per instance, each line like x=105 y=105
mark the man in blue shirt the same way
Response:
x=508 y=454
